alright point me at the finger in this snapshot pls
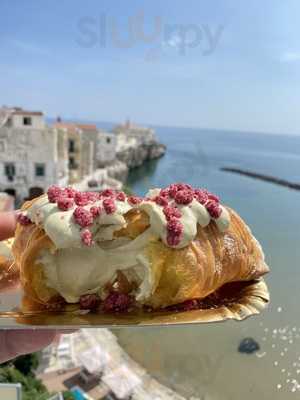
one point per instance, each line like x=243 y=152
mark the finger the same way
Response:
x=7 y=224
x=16 y=342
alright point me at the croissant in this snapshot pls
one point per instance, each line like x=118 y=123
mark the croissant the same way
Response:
x=113 y=252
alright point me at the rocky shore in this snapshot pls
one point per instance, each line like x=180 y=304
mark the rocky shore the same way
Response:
x=117 y=170
x=135 y=156
x=262 y=177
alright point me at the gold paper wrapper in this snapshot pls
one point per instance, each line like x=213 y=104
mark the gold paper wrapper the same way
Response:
x=236 y=302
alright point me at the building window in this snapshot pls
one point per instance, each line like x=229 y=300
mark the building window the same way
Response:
x=27 y=121
x=39 y=170
x=9 y=122
x=108 y=140
x=10 y=171
x=72 y=163
x=71 y=145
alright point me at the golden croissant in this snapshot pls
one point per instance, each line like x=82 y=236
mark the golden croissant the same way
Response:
x=112 y=252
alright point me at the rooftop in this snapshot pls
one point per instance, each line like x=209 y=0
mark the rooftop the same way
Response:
x=19 y=111
x=69 y=126
x=87 y=127
x=72 y=126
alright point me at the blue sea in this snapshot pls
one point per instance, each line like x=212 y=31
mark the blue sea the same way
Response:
x=203 y=361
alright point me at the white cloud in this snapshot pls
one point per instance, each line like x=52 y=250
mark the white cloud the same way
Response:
x=290 y=56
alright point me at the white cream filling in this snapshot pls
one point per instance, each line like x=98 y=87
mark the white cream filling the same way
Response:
x=73 y=272
x=5 y=251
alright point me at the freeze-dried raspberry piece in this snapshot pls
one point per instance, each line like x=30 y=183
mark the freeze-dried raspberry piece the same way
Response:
x=121 y=196
x=184 y=197
x=173 y=189
x=23 y=219
x=81 y=199
x=53 y=193
x=83 y=217
x=107 y=193
x=161 y=200
x=134 y=200
x=117 y=302
x=95 y=211
x=213 y=197
x=174 y=226
x=164 y=192
x=109 y=205
x=65 y=203
x=70 y=192
x=214 y=209
x=171 y=212
x=183 y=186
x=89 y=301
x=173 y=239
x=92 y=196
x=201 y=196
x=87 y=237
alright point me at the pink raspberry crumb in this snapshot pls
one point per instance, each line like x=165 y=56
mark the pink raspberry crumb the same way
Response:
x=214 y=209
x=53 y=193
x=117 y=302
x=95 y=211
x=183 y=186
x=92 y=196
x=161 y=200
x=89 y=301
x=64 y=203
x=87 y=237
x=172 y=190
x=134 y=200
x=121 y=196
x=109 y=206
x=107 y=193
x=171 y=212
x=164 y=192
x=172 y=239
x=83 y=217
x=81 y=199
x=175 y=226
x=23 y=219
x=70 y=192
x=213 y=197
x=201 y=196
x=184 y=197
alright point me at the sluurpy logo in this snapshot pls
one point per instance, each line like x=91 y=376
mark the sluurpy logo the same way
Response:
x=105 y=30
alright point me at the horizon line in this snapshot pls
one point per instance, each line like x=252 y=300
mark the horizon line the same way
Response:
x=233 y=130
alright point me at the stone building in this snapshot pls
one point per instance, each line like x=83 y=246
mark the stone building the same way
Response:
x=29 y=158
x=104 y=144
x=89 y=148
x=79 y=151
x=129 y=132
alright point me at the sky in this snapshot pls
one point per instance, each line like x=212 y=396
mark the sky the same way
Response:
x=218 y=64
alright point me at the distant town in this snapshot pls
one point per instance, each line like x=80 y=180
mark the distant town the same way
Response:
x=35 y=155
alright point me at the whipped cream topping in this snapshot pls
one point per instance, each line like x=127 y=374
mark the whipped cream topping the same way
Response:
x=63 y=230
x=172 y=219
